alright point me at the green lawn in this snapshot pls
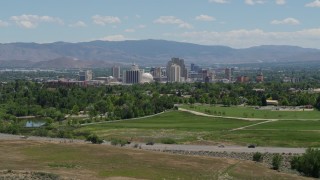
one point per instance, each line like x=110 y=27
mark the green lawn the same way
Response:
x=181 y=126
x=276 y=138
x=249 y=112
x=179 y=121
x=290 y=125
x=185 y=127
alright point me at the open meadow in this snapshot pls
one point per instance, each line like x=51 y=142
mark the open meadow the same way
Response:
x=181 y=126
x=250 y=112
x=187 y=128
x=86 y=161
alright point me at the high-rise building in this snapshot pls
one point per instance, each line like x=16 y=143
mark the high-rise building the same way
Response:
x=183 y=69
x=116 y=72
x=228 y=73
x=159 y=74
x=195 y=68
x=260 y=77
x=85 y=75
x=174 y=73
x=205 y=74
x=133 y=76
x=243 y=79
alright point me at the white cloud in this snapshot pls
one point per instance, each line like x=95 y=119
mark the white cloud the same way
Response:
x=32 y=21
x=205 y=18
x=219 y=1
x=280 y=2
x=3 y=24
x=129 y=30
x=172 y=20
x=141 y=26
x=315 y=3
x=117 y=37
x=243 y=38
x=104 y=20
x=78 y=24
x=185 y=25
x=289 y=21
x=253 y=2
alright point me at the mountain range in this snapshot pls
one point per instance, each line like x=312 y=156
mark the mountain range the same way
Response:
x=142 y=52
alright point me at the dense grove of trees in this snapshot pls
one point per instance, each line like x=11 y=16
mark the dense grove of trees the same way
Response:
x=26 y=98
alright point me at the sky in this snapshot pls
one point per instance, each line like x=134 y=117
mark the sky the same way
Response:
x=234 y=23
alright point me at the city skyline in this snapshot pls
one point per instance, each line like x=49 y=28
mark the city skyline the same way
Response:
x=237 y=24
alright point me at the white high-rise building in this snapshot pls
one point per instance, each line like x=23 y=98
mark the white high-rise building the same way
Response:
x=183 y=69
x=116 y=72
x=175 y=73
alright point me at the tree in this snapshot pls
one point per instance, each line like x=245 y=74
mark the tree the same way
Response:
x=263 y=101
x=308 y=163
x=75 y=109
x=92 y=111
x=257 y=157
x=276 y=161
x=318 y=103
x=94 y=139
x=101 y=107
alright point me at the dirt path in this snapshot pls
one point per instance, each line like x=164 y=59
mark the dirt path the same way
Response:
x=225 y=117
x=240 y=118
x=240 y=128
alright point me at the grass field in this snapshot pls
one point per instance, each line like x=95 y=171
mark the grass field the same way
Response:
x=75 y=161
x=289 y=125
x=248 y=112
x=185 y=127
x=181 y=126
x=273 y=138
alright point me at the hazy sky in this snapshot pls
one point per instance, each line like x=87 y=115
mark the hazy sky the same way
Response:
x=235 y=23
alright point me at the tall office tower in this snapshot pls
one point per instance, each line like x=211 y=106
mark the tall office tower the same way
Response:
x=228 y=73
x=116 y=72
x=192 y=67
x=260 y=77
x=205 y=74
x=183 y=69
x=195 y=68
x=175 y=73
x=133 y=76
x=85 y=75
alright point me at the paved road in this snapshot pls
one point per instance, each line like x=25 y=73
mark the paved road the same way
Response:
x=238 y=149
x=161 y=147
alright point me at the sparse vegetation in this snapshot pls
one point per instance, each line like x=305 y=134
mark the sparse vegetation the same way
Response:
x=99 y=162
x=94 y=139
x=276 y=161
x=257 y=157
x=120 y=142
x=168 y=141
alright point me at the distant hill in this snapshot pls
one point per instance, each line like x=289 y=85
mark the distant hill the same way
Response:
x=143 y=52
